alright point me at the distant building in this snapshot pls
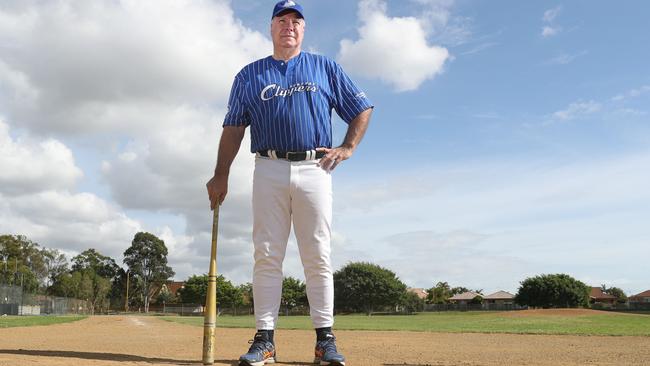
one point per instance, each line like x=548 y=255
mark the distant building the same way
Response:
x=643 y=297
x=171 y=286
x=598 y=297
x=500 y=297
x=422 y=293
x=174 y=286
x=464 y=298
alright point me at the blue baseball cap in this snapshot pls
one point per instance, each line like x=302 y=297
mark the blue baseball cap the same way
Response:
x=284 y=5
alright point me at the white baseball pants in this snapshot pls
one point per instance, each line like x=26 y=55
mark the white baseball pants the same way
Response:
x=286 y=192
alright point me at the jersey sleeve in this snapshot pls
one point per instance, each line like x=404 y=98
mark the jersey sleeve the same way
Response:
x=238 y=114
x=348 y=100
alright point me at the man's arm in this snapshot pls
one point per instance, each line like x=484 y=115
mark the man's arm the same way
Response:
x=231 y=138
x=356 y=129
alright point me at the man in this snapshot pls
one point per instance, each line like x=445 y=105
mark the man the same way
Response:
x=287 y=99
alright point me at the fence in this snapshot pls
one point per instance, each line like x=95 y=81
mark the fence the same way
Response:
x=197 y=310
x=628 y=306
x=13 y=301
x=177 y=309
x=473 y=307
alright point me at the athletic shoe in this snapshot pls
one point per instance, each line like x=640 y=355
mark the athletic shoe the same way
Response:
x=262 y=351
x=326 y=354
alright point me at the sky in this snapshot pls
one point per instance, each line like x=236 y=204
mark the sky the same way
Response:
x=509 y=139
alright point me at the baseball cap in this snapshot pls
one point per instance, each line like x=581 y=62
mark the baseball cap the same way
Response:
x=287 y=5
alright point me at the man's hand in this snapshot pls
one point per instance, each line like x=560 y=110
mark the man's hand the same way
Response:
x=356 y=130
x=217 y=189
x=333 y=157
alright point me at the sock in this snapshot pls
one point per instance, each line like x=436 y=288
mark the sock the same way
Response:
x=269 y=334
x=321 y=332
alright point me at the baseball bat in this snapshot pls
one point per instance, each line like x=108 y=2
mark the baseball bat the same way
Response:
x=210 y=315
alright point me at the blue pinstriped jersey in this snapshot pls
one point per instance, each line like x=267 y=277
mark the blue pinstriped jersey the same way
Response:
x=288 y=105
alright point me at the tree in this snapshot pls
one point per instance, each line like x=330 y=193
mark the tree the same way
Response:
x=412 y=303
x=117 y=295
x=228 y=295
x=23 y=263
x=619 y=294
x=165 y=296
x=101 y=287
x=196 y=290
x=293 y=293
x=102 y=265
x=82 y=286
x=476 y=300
x=96 y=273
x=147 y=262
x=56 y=264
x=552 y=291
x=246 y=290
x=62 y=285
x=439 y=294
x=367 y=287
x=460 y=290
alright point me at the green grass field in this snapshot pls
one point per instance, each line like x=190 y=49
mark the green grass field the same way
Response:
x=462 y=322
x=28 y=321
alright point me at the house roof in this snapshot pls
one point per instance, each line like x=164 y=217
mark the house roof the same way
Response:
x=422 y=293
x=174 y=286
x=500 y=295
x=643 y=294
x=469 y=295
x=597 y=293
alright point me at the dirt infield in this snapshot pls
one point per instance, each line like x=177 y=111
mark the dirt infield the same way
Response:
x=131 y=340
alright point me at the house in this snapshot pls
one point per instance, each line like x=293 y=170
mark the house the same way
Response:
x=422 y=293
x=464 y=298
x=171 y=286
x=500 y=297
x=643 y=297
x=599 y=298
x=174 y=286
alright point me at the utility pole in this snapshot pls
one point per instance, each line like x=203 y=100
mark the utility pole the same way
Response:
x=126 y=300
x=15 y=279
x=22 y=292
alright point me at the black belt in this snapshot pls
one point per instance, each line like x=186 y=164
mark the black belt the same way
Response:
x=292 y=155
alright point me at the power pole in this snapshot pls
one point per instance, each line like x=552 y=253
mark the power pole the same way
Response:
x=126 y=300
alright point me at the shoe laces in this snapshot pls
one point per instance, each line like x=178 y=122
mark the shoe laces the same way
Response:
x=257 y=345
x=328 y=344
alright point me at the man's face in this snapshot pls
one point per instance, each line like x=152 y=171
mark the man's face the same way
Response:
x=287 y=30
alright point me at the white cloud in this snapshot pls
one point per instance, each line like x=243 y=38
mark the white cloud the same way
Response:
x=35 y=199
x=150 y=80
x=515 y=215
x=551 y=14
x=438 y=21
x=479 y=48
x=550 y=29
x=632 y=93
x=565 y=58
x=392 y=49
x=437 y=12
x=72 y=222
x=29 y=166
x=16 y=87
x=577 y=110
x=104 y=57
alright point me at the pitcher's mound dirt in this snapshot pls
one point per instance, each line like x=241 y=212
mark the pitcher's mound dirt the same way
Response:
x=131 y=340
